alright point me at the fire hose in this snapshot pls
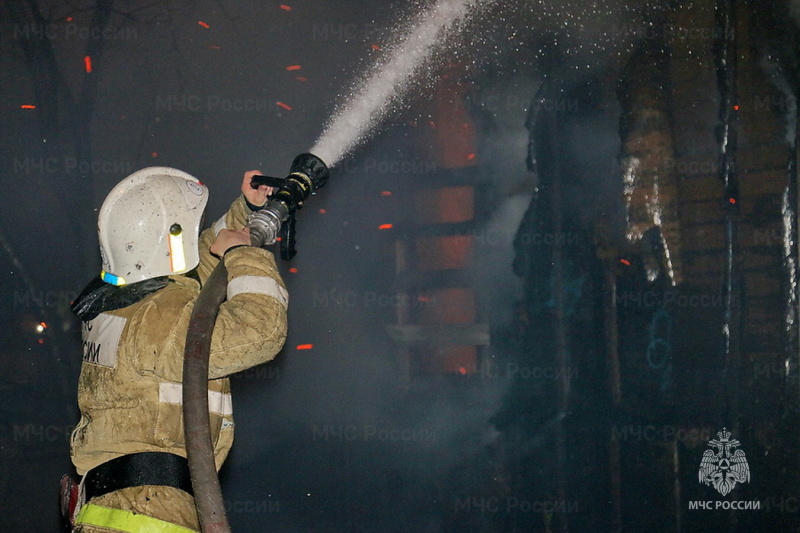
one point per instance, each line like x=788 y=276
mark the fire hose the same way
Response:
x=307 y=174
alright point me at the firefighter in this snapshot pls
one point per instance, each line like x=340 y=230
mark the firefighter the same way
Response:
x=129 y=443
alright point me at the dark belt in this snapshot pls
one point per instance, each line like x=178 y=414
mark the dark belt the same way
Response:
x=137 y=469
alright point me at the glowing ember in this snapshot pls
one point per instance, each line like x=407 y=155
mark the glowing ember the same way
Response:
x=285 y=7
x=27 y=106
x=87 y=63
x=294 y=67
x=285 y=106
x=385 y=226
x=305 y=346
x=625 y=262
x=386 y=193
x=293 y=270
x=203 y=24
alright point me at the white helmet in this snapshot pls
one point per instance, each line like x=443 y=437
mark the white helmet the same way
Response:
x=149 y=225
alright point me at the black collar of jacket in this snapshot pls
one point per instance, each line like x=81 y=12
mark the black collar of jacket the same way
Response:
x=99 y=296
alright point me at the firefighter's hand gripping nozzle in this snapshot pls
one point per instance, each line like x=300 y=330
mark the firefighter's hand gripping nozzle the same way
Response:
x=307 y=174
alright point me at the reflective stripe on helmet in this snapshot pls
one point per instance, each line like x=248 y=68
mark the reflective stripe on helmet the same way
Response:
x=111 y=279
x=177 y=257
x=119 y=520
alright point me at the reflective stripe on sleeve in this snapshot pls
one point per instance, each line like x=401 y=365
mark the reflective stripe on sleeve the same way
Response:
x=258 y=285
x=218 y=402
x=220 y=225
x=119 y=520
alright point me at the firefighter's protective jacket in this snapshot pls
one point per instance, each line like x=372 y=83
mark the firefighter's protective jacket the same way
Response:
x=130 y=391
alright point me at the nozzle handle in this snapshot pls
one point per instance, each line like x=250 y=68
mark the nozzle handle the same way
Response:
x=258 y=181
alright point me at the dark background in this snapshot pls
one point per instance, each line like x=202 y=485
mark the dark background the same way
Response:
x=564 y=377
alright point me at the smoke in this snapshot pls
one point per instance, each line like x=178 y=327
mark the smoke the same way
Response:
x=491 y=271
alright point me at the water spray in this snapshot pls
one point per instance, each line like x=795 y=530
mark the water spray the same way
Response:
x=376 y=94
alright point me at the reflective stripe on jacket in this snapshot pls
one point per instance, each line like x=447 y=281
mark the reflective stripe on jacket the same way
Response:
x=119 y=520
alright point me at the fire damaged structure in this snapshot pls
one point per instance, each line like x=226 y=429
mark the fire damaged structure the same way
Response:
x=669 y=309
x=657 y=331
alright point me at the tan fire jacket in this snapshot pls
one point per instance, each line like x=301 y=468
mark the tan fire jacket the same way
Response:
x=129 y=390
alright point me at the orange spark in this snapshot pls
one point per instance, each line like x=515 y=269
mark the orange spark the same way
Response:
x=285 y=106
x=385 y=226
x=285 y=7
x=376 y=47
x=87 y=63
x=203 y=24
x=732 y=200
x=471 y=156
x=625 y=262
x=301 y=78
x=386 y=193
x=294 y=67
x=293 y=270
x=322 y=211
x=27 y=106
x=304 y=346
x=462 y=370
